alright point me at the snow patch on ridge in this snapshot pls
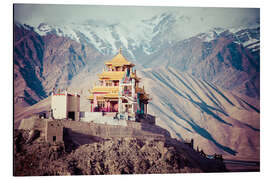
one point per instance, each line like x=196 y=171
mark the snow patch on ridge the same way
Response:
x=145 y=36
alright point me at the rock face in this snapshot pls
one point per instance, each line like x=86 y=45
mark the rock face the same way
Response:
x=229 y=60
x=42 y=63
x=28 y=66
x=110 y=156
x=136 y=156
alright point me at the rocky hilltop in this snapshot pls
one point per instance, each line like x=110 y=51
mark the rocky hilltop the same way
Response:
x=34 y=157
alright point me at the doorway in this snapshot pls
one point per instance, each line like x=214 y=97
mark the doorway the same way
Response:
x=71 y=115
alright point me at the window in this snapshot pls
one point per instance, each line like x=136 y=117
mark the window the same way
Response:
x=101 y=104
x=54 y=138
x=116 y=83
x=128 y=108
x=71 y=115
x=108 y=83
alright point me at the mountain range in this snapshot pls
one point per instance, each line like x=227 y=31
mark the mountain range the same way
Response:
x=204 y=86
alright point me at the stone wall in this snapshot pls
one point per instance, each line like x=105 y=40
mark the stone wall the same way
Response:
x=33 y=122
x=147 y=118
x=133 y=129
x=97 y=117
x=27 y=123
x=108 y=118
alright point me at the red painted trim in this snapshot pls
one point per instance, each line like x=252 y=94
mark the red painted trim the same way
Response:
x=65 y=94
x=100 y=93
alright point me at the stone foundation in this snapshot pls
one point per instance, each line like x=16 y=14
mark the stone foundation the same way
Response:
x=33 y=122
x=133 y=129
x=54 y=129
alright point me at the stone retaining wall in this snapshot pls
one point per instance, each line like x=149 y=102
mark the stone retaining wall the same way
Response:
x=33 y=122
x=133 y=129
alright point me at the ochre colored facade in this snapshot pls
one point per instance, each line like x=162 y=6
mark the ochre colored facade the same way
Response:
x=118 y=89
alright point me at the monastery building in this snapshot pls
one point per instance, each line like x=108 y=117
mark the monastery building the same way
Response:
x=118 y=89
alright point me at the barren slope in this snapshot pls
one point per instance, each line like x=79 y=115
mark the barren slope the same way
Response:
x=217 y=120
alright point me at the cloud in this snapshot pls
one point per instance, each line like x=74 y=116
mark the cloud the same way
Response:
x=200 y=18
x=34 y=13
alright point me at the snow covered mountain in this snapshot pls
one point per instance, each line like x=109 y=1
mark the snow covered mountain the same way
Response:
x=108 y=38
x=146 y=35
x=159 y=40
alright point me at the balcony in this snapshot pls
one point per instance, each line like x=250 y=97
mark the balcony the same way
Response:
x=126 y=81
x=127 y=93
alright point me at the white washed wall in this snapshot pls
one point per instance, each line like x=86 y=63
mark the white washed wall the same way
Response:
x=59 y=106
x=97 y=117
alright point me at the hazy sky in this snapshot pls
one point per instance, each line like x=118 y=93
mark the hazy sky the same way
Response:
x=57 y=14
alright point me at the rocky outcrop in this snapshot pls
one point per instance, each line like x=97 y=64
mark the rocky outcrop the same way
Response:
x=138 y=156
x=107 y=156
